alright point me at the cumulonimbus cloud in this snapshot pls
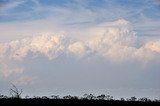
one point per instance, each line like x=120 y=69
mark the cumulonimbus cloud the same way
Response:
x=114 y=40
x=50 y=46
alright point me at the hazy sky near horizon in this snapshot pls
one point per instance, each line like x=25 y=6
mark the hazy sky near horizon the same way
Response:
x=80 y=46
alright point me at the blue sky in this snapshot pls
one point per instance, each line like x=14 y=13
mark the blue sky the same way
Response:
x=144 y=15
x=81 y=46
x=32 y=8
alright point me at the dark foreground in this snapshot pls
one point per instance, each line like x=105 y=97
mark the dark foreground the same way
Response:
x=70 y=102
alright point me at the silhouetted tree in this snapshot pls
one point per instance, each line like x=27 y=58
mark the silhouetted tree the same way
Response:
x=133 y=99
x=70 y=97
x=3 y=97
x=101 y=97
x=55 y=97
x=122 y=99
x=67 y=97
x=26 y=97
x=15 y=93
x=89 y=96
x=144 y=99
x=36 y=97
x=108 y=97
x=156 y=100
x=75 y=97
x=45 y=97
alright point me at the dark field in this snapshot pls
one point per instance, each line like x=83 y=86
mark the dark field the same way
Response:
x=65 y=101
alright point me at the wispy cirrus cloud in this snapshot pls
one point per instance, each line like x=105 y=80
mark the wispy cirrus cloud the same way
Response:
x=8 y=5
x=60 y=17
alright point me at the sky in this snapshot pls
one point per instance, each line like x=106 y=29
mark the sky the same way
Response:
x=73 y=47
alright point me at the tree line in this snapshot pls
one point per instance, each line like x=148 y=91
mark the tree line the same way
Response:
x=16 y=94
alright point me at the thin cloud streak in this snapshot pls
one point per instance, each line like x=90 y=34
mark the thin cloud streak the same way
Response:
x=4 y=7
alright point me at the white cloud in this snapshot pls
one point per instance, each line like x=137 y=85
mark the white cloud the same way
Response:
x=115 y=41
x=153 y=46
x=50 y=46
x=78 y=49
x=2 y=49
x=15 y=51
